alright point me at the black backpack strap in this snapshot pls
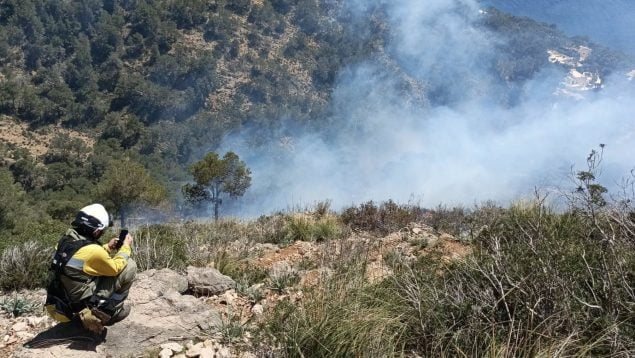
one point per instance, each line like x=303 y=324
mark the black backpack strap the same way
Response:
x=66 y=248
x=56 y=294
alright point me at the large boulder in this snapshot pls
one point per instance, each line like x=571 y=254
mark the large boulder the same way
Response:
x=208 y=281
x=160 y=314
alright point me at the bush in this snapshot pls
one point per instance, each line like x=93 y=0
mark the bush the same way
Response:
x=24 y=266
x=335 y=320
x=18 y=306
x=284 y=229
x=160 y=246
x=383 y=219
x=537 y=283
x=279 y=280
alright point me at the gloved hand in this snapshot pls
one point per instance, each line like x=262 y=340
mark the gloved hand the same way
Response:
x=90 y=321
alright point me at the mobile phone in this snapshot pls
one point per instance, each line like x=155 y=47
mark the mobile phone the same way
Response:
x=122 y=236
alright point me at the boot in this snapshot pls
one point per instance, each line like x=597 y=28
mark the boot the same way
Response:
x=119 y=315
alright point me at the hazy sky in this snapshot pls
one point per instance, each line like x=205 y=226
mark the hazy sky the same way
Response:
x=385 y=147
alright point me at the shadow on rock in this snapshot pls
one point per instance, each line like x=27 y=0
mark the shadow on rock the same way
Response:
x=71 y=334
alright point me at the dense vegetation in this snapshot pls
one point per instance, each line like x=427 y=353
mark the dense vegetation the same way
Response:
x=535 y=281
x=153 y=83
x=157 y=84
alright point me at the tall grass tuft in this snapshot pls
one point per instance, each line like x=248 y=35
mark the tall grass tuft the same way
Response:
x=339 y=319
x=24 y=266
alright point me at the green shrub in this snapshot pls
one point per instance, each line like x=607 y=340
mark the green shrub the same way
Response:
x=269 y=229
x=160 y=246
x=278 y=282
x=24 y=266
x=327 y=228
x=299 y=228
x=307 y=228
x=284 y=229
x=232 y=330
x=383 y=219
x=337 y=319
x=455 y=221
x=18 y=305
x=245 y=289
x=537 y=283
x=536 y=278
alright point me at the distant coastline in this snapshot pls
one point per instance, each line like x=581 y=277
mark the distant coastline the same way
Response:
x=608 y=22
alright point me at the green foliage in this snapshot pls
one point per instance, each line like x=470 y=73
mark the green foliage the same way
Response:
x=24 y=265
x=337 y=319
x=18 y=305
x=305 y=228
x=127 y=184
x=160 y=246
x=12 y=198
x=280 y=280
x=383 y=219
x=232 y=330
x=537 y=283
x=214 y=176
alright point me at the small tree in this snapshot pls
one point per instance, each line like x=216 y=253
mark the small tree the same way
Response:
x=215 y=176
x=126 y=184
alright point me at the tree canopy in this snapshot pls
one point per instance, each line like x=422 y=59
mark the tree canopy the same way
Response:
x=126 y=185
x=214 y=176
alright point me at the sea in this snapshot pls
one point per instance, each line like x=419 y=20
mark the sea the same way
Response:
x=607 y=22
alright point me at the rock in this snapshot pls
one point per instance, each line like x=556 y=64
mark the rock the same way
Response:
x=207 y=281
x=207 y=353
x=195 y=351
x=223 y=352
x=446 y=237
x=20 y=327
x=257 y=309
x=173 y=346
x=281 y=268
x=158 y=313
x=24 y=335
x=165 y=353
x=417 y=231
x=37 y=321
x=229 y=297
x=152 y=284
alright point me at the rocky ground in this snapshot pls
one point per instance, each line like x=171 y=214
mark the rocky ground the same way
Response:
x=203 y=313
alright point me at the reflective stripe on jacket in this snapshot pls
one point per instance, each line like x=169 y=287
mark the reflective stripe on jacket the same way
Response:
x=95 y=260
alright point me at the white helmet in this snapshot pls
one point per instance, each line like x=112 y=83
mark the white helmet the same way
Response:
x=94 y=216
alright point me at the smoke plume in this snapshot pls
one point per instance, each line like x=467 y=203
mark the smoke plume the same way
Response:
x=462 y=148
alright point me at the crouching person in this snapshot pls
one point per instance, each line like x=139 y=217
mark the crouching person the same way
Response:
x=90 y=281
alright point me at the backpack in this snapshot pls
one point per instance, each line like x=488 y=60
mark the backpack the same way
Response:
x=58 y=302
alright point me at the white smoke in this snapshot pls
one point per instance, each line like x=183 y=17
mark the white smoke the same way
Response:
x=381 y=146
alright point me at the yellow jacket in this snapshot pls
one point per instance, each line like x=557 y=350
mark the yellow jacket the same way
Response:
x=97 y=260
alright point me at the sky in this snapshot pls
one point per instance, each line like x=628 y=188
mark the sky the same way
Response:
x=383 y=145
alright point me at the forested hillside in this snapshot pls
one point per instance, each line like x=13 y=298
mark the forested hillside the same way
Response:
x=87 y=84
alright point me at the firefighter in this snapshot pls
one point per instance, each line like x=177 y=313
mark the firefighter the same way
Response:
x=90 y=281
